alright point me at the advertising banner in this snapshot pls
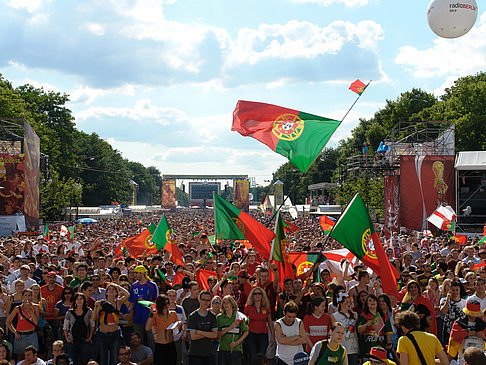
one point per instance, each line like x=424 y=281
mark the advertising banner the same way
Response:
x=279 y=194
x=392 y=202
x=242 y=194
x=425 y=183
x=168 y=194
x=32 y=177
x=12 y=184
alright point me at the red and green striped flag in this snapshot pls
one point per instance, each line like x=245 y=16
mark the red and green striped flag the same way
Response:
x=46 y=232
x=234 y=224
x=298 y=136
x=279 y=253
x=141 y=242
x=290 y=227
x=483 y=240
x=164 y=239
x=355 y=231
x=70 y=233
x=326 y=223
x=358 y=87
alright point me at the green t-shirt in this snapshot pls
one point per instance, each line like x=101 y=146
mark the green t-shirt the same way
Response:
x=329 y=356
x=373 y=335
x=232 y=335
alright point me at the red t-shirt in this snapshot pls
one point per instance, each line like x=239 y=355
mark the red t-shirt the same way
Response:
x=257 y=320
x=250 y=268
x=317 y=328
x=51 y=297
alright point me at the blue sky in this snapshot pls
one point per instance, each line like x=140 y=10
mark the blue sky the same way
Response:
x=159 y=79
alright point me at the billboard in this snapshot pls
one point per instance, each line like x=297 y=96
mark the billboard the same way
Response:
x=200 y=192
x=279 y=193
x=32 y=176
x=242 y=194
x=392 y=202
x=168 y=194
x=12 y=184
x=425 y=182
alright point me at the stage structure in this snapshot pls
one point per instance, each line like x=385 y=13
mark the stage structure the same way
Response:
x=416 y=165
x=201 y=189
x=471 y=190
x=19 y=173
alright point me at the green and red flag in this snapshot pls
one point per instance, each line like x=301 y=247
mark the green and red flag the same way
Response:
x=70 y=233
x=461 y=239
x=355 y=231
x=290 y=227
x=304 y=261
x=164 y=238
x=279 y=251
x=164 y=278
x=483 y=240
x=202 y=277
x=137 y=245
x=46 y=232
x=358 y=87
x=326 y=223
x=120 y=249
x=234 y=224
x=298 y=136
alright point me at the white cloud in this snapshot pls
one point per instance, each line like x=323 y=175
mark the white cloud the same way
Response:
x=95 y=28
x=29 y=5
x=45 y=85
x=301 y=39
x=87 y=95
x=447 y=57
x=142 y=110
x=348 y=3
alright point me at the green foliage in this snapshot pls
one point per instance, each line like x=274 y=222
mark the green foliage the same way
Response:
x=182 y=197
x=58 y=193
x=369 y=188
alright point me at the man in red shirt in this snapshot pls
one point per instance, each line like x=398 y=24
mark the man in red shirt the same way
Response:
x=51 y=292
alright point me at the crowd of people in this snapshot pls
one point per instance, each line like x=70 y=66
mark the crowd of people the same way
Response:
x=79 y=300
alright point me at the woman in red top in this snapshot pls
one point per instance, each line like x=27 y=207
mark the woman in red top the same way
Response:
x=413 y=297
x=28 y=316
x=317 y=323
x=260 y=322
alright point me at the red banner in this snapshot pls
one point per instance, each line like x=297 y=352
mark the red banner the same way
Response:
x=32 y=176
x=392 y=202
x=425 y=182
x=168 y=194
x=242 y=197
x=12 y=184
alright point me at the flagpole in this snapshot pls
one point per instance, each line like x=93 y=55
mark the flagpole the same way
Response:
x=301 y=176
x=327 y=239
x=273 y=242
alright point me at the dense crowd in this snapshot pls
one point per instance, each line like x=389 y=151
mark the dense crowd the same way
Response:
x=81 y=301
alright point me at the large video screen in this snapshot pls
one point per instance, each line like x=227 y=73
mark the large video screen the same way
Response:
x=199 y=191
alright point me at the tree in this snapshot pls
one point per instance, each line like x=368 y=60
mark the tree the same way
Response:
x=58 y=193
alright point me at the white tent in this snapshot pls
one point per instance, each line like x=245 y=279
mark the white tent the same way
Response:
x=471 y=160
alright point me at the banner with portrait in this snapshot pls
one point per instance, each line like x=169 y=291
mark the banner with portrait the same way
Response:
x=12 y=185
x=168 y=194
x=242 y=194
x=32 y=177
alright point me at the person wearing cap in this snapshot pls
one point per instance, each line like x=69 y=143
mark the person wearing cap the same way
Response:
x=51 y=292
x=378 y=356
x=24 y=277
x=467 y=331
x=428 y=344
x=142 y=289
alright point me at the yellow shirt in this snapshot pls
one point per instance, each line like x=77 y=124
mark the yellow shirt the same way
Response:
x=428 y=343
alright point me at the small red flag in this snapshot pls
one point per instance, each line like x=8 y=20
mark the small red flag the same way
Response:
x=326 y=223
x=358 y=87
x=290 y=227
x=202 y=277
x=461 y=239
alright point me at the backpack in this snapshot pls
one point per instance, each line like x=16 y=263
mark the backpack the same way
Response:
x=80 y=330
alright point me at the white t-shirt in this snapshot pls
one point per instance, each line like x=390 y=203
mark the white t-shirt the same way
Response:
x=28 y=283
x=286 y=353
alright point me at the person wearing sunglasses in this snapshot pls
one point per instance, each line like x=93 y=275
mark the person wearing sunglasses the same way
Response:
x=258 y=312
x=124 y=354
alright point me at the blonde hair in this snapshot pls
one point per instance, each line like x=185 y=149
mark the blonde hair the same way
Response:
x=229 y=298
x=265 y=301
x=442 y=291
x=58 y=343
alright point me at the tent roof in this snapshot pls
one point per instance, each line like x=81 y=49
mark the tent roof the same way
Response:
x=471 y=160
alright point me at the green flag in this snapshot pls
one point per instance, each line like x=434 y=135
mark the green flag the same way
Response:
x=46 y=232
x=355 y=231
x=164 y=239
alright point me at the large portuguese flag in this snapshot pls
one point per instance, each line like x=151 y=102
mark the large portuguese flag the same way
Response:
x=234 y=224
x=136 y=245
x=164 y=239
x=296 y=135
x=355 y=231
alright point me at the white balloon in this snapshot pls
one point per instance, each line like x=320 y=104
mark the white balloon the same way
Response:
x=451 y=18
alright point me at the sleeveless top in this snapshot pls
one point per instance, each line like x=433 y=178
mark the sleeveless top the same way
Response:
x=109 y=314
x=286 y=353
x=22 y=324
